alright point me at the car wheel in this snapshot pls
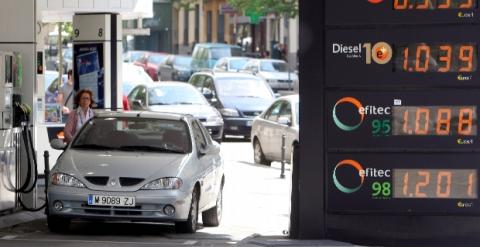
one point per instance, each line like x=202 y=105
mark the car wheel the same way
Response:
x=57 y=224
x=190 y=226
x=258 y=155
x=213 y=216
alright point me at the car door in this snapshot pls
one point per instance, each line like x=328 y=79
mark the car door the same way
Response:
x=268 y=128
x=281 y=129
x=206 y=169
x=216 y=162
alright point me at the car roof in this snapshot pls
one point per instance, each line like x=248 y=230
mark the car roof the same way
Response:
x=216 y=45
x=227 y=74
x=271 y=60
x=167 y=83
x=143 y=114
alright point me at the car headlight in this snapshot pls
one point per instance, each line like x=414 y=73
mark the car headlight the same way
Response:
x=229 y=112
x=66 y=180
x=163 y=184
x=214 y=119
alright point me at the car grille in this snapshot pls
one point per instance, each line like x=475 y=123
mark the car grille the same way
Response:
x=202 y=120
x=130 y=181
x=251 y=113
x=285 y=81
x=109 y=210
x=97 y=180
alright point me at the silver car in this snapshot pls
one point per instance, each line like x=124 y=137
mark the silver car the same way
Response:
x=274 y=72
x=138 y=166
x=267 y=129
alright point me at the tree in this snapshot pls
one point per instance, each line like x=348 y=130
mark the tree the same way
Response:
x=186 y=4
x=277 y=7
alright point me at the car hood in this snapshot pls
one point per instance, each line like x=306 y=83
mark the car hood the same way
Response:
x=246 y=103
x=115 y=164
x=198 y=111
x=278 y=75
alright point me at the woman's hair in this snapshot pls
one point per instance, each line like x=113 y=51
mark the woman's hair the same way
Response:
x=79 y=94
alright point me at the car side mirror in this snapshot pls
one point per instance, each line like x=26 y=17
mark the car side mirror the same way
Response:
x=285 y=121
x=58 y=144
x=137 y=105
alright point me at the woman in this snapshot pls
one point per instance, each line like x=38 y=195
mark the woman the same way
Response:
x=83 y=100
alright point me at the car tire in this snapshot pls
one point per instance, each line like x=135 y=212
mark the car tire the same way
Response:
x=213 y=216
x=258 y=155
x=57 y=224
x=190 y=226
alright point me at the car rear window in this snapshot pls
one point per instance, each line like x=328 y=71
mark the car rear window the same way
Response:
x=134 y=134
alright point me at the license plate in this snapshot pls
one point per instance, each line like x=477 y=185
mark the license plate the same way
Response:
x=120 y=201
x=249 y=123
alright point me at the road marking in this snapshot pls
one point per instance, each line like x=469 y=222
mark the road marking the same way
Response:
x=85 y=241
x=9 y=237
x=190 y=242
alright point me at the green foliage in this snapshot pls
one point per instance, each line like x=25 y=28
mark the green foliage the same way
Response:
x=264 y=7
x=186 y=4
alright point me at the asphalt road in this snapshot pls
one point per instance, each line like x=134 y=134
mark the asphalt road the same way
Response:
x=256 y=202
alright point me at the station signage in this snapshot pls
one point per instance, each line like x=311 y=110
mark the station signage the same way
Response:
x=413 y=57
x=347 y=12
x=406 y=184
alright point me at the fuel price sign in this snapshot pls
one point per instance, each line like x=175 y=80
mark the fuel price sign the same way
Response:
x=341 y=12
x=406 y=120
x=442 y=56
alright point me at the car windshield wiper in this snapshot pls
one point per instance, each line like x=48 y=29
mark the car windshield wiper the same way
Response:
x=183 y=103
x=159 y=103
x=149 y=148
x=92 y=146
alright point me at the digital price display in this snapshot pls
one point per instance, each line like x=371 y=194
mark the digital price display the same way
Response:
x=406 y=120
x=395 y=182
x=438 y=56
x=347 y=12
x=433 y=183
x=434 y=120
x=433 y=4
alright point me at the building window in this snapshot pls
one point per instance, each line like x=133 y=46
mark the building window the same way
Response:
x=185 y=26
x=221 y=28
x=209 y=26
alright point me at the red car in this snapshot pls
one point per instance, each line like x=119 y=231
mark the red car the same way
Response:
x=150 y=62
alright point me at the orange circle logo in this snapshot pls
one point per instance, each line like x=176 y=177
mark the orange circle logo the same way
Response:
x=382 y=53
x=375 y=1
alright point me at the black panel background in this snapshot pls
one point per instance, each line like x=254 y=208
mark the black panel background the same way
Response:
x=349 y=12
x=341 y=71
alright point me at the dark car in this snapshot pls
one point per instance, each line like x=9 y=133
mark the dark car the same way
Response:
x=175 y=68
x=238 y=96
x=177 y=97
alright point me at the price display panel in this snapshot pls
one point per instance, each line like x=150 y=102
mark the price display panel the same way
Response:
x=395 y=182
x=403 y=120
x=438 y=56
x=341 y=12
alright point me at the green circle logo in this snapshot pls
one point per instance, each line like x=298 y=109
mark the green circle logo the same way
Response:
x=340 y=186
x=339 y=123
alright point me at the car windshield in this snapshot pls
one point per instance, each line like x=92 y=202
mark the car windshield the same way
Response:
x=220 y=52
x=134 y=134
x=181 y=94
x=237 y=64
x=183 y=61
x=274 y=66
x=134 y=56
x=243 y=87
x=156 y=58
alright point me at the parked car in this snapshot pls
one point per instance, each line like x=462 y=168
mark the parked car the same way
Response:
x=99 y=175
x=150 y=61
x=52 y=85
x=132 y=56
x=232 y=64
x=274 y=72
x=238 y=96
x=133 y=75
x=175 y=68
x=282 y=117
x=177 y=97
x=205 y=55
